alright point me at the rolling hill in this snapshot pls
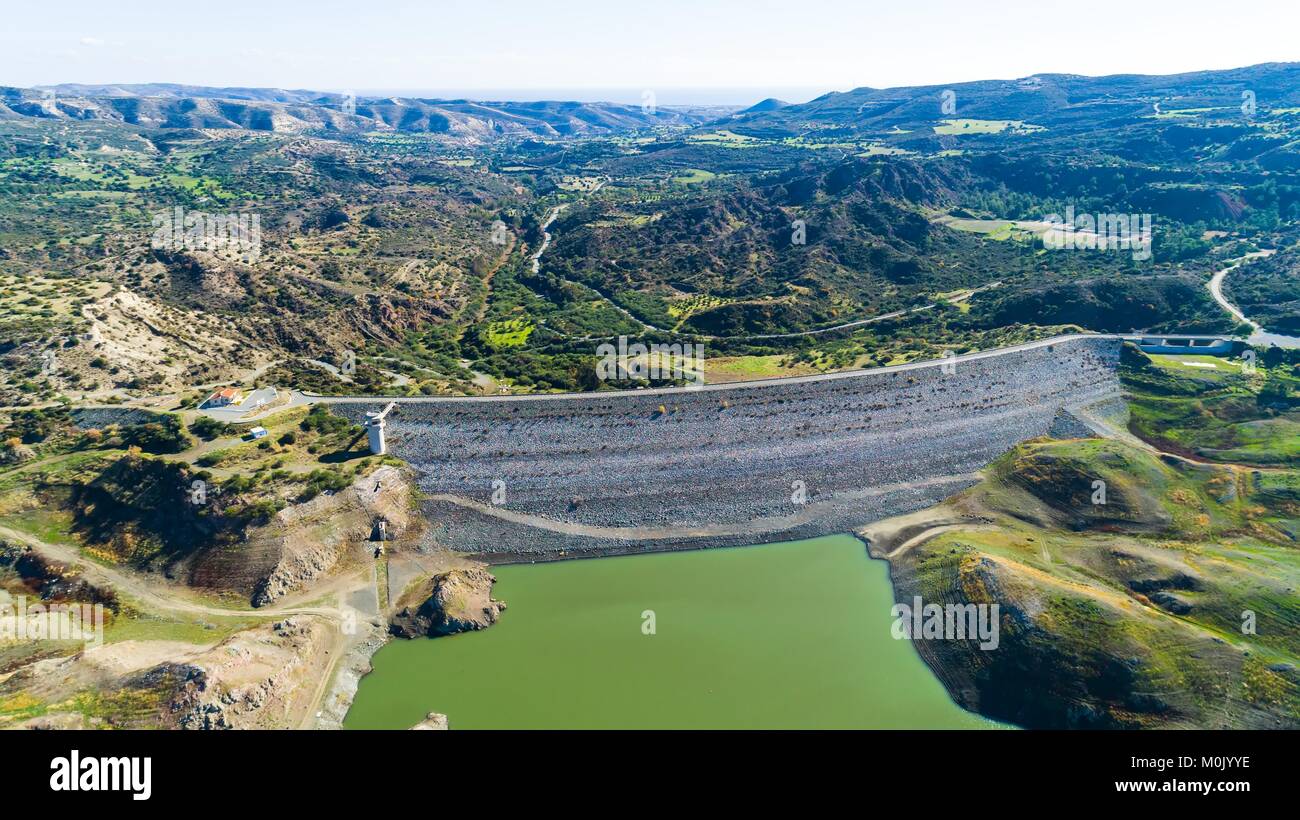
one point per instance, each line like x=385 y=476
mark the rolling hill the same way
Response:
x=176 y=106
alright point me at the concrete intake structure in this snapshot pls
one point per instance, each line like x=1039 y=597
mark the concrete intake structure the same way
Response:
x=374 y=425
x=534 y=477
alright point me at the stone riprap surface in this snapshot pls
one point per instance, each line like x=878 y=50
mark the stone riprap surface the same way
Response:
x=733 y=464
x=86 y=418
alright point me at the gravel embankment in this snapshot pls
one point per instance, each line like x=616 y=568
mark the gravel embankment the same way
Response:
x=631 y=472
x=86 y=418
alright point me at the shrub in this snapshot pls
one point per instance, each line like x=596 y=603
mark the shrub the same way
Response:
x=166 y=435
x=211 y=459
x=208 y=428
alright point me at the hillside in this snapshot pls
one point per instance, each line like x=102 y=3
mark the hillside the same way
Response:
x=1164 y=599
x=401 y=239
x=1132 y=614
x=1065 y=102
x=171 y=106
x=1268 y=291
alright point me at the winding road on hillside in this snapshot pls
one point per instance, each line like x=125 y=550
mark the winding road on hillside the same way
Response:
x=870 y=320
x=1258 y=336
x=536 y=258
x=860 y=322
x=1216 y=287
x=536 y=262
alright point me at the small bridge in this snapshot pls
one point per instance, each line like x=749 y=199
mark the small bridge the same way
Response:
x=1184 y=344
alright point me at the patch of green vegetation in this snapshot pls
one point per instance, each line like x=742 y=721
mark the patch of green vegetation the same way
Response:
x=51 y=430
x=1215 y=368
x=44 y=523
x=208 y=428
x=381 y=583
x=140 y=626
x=729 y=368
x=166 y=435
x=694 y=176
x=998 y=230
x=1228 y=414
x=130 y=707
x=1182 y=113
x=21 y=706
x=969 y=126
x=300 y=374
x=1165 y=601
x=725 y=138
x=883 y=151
x=509 y=333
x=684 y=308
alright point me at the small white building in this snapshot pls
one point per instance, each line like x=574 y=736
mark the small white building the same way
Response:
x=224 y=397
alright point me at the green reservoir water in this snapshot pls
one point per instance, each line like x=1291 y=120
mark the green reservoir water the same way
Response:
x=793 y=635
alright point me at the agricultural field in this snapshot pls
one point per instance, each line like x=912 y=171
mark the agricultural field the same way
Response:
x=961 y=127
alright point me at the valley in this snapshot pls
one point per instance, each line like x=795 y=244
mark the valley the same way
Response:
x=203 y=291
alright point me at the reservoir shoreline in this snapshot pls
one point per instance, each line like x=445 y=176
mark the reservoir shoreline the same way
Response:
x=584 y=619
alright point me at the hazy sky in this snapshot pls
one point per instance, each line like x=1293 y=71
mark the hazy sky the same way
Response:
x=656 y=44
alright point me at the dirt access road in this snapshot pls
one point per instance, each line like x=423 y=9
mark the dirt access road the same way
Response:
x=157 y=595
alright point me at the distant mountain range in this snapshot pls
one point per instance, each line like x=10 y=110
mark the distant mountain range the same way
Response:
x=1063 y=102
x=165 y=105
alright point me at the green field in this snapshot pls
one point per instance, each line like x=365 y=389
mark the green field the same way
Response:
x=965 y=126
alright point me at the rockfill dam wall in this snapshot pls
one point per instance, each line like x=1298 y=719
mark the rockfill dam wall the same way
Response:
x=531 y=478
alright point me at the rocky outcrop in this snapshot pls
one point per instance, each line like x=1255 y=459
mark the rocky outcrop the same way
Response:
x=265 y=677
x=389 y=317
x=310 y=539
x=460 y=600
x=259 y=678
x=433 y=721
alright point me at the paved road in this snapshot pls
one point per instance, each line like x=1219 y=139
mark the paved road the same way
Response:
x=536 y=258
x=1216 y=287
x=670 y=391
x=546 y=236
x=1258 y=336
